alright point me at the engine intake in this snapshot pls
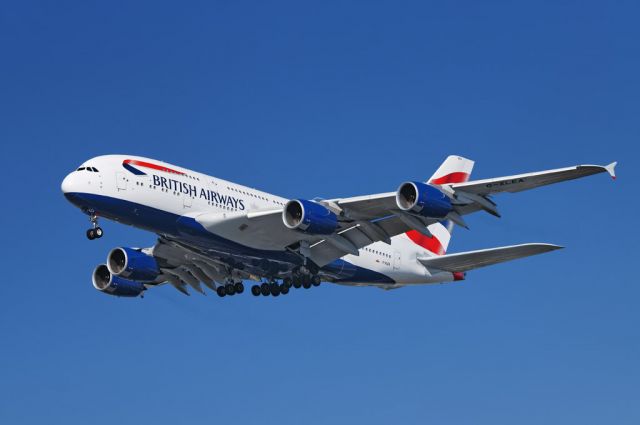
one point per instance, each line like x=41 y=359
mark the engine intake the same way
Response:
x=104 y=281
x=132 y=264
x=423 y=199
x=309 y=217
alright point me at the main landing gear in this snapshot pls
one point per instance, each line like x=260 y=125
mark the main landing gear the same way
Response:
x=274 y=289
x=230 y=288
x=270 y=288
x=96 y=231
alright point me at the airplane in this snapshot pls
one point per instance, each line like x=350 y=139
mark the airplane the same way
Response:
x=220 y=234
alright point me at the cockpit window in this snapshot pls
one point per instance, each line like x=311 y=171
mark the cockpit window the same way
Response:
x=95 y=170
x=80 y=169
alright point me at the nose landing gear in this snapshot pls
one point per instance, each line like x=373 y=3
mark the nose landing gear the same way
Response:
x=96 y=231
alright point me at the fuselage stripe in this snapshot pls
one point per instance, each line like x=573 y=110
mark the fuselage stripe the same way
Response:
x=131 y=162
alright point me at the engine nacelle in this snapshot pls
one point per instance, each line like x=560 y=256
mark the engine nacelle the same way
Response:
x=423 y=199
x=309 y=217
x=132 y=264
x=105 y=281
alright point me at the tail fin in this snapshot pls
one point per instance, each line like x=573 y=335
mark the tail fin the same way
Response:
x=454 y=169
x=440 y=237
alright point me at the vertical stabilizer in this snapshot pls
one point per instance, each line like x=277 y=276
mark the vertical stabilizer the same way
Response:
x=454 y=169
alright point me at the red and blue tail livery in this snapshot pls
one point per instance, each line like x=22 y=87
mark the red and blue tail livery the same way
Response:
x=219 y=235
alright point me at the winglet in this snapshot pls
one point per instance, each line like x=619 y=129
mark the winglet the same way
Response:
x=611 y=169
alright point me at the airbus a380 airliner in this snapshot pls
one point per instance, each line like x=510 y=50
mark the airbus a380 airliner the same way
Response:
x=219 y=233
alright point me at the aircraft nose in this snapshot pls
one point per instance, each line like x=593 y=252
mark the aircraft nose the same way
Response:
x=67 y=185
x=71 y=188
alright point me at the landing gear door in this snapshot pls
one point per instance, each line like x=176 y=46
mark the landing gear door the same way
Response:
x=397 y=260
x=121 y=181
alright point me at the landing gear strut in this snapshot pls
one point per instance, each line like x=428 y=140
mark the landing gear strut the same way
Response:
x=96 y=231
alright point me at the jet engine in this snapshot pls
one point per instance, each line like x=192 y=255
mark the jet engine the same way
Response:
x=309 y=217
x=132 y=264
x=105 y=281
x=423 y=199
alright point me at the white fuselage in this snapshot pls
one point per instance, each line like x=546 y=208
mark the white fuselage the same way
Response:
x=167 y=188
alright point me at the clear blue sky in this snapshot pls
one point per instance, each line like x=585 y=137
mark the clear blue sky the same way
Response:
x=325 y=99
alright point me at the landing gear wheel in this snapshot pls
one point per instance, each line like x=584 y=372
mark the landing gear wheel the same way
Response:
x=306 y=284
x=96 y=231
x=220 y=291
x=239 y=287
x=284 y=290
x=264 y=289
x=286 y=282
x=315 y=280
x=275 y=290
x=297 y=284
x=255 y=290
x=229 y=289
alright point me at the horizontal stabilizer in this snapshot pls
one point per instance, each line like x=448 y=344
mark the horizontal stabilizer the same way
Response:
x=464 y=261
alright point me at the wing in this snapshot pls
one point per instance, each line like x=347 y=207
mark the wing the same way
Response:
x=378 y=220
x=465 y=261
x=520 y=182
x=372 y=218
x=474 y=195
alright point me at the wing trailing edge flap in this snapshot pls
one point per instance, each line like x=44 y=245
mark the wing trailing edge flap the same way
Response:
x=187 y=269
x=360 y=235
x=465 y=261
x=177 y=283
x=184 y=275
